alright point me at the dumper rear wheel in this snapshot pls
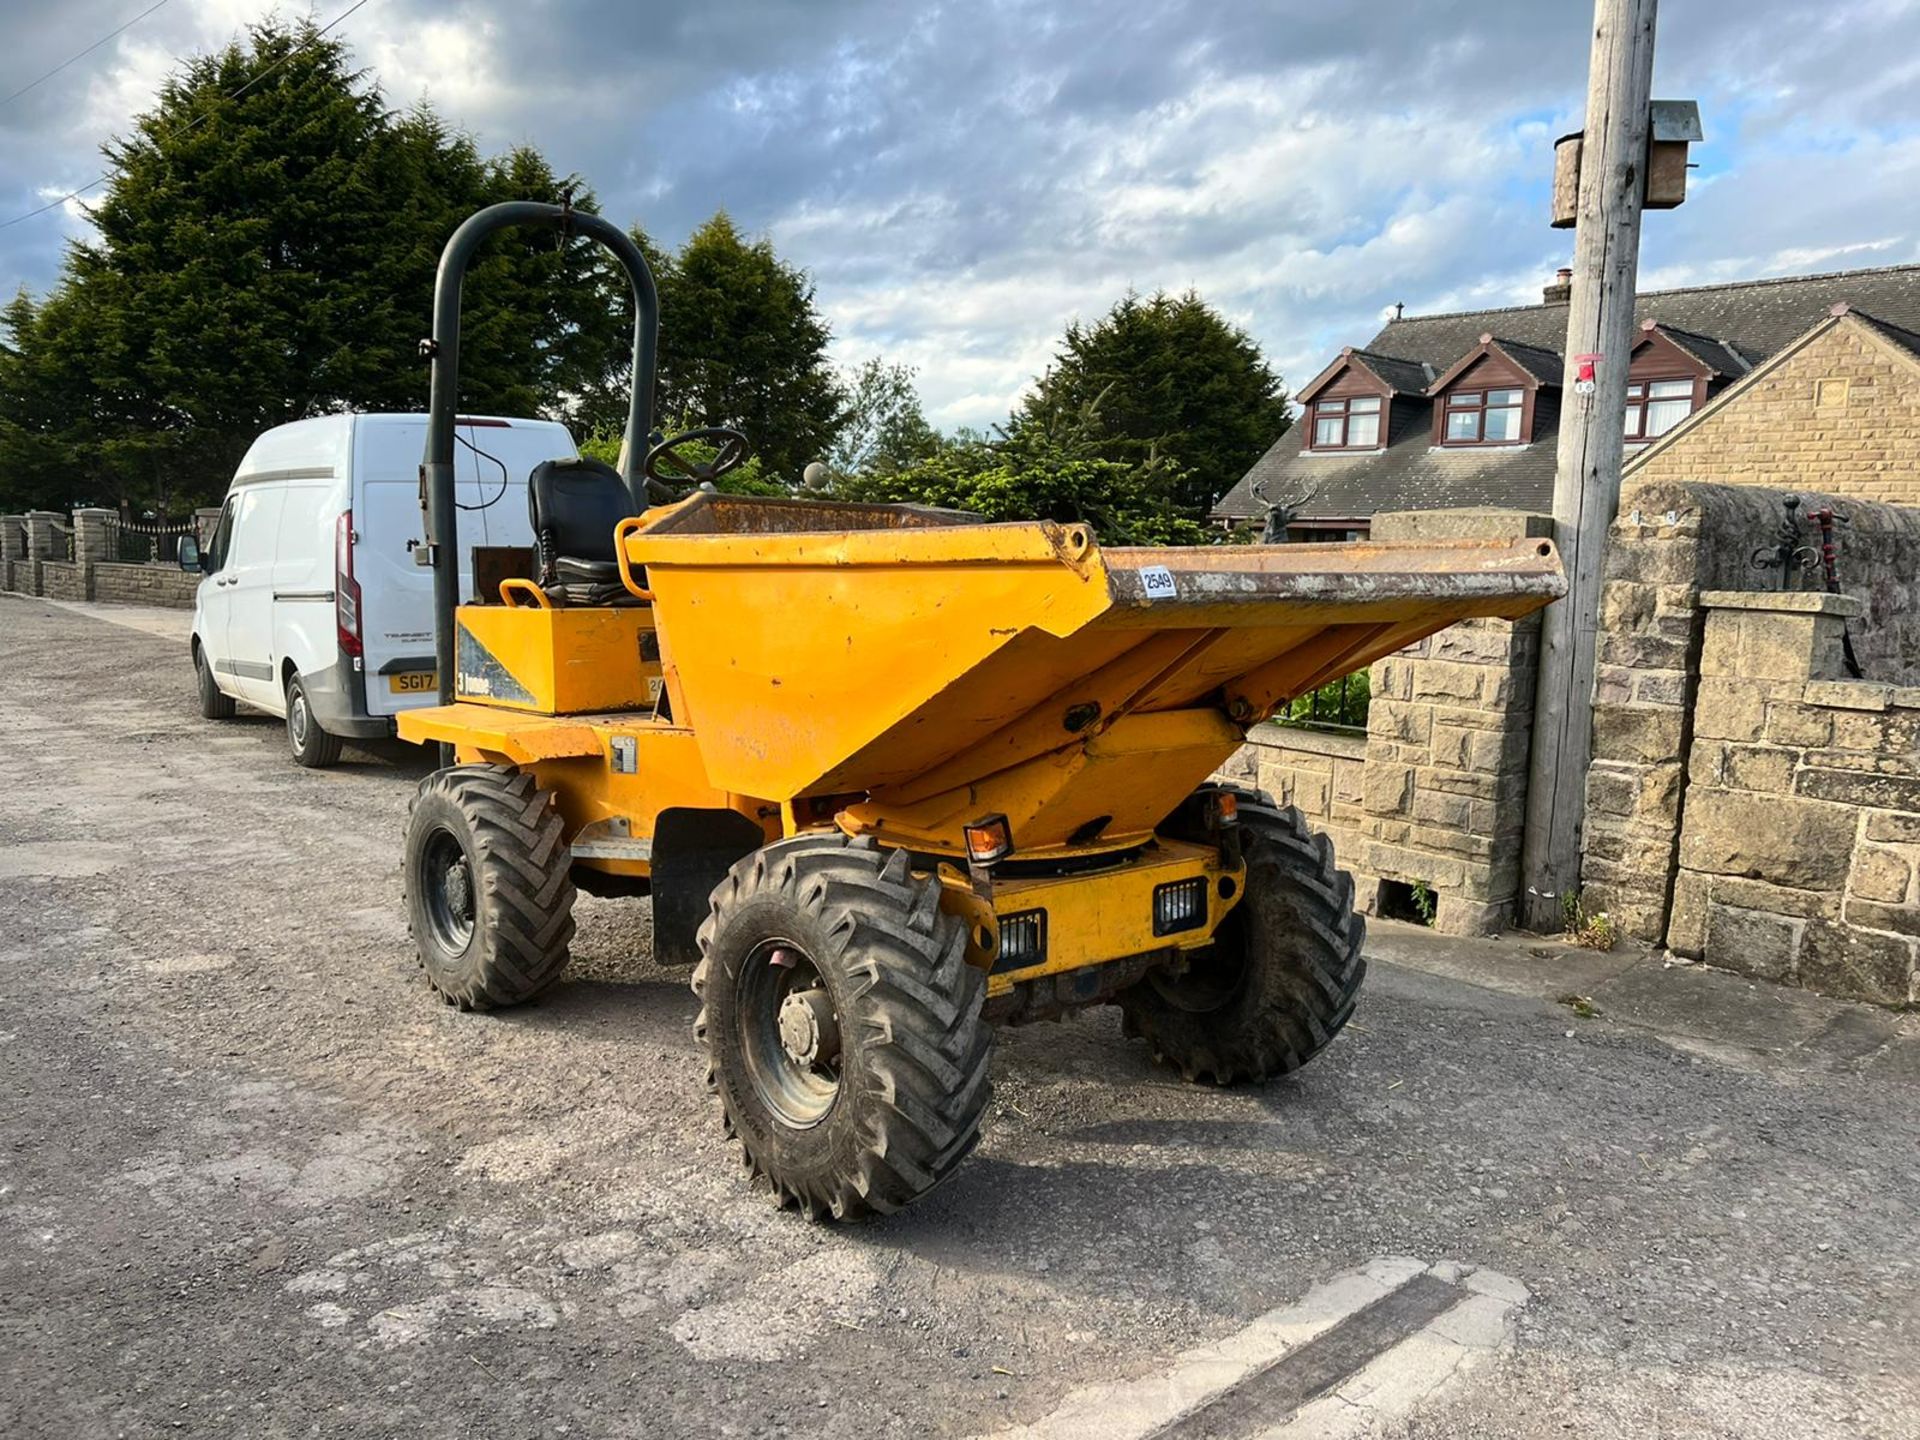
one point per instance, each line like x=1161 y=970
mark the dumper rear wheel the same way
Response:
x=489 y=897
x=1282 y=975
x=842 y=1025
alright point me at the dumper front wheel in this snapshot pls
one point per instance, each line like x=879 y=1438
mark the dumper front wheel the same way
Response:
x=489 y=898
x=1282 y=975
x=842 y=1025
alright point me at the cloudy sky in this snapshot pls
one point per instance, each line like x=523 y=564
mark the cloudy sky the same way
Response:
x=961 y=179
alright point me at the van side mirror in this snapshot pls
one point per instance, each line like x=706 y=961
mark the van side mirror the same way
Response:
x=189 y=553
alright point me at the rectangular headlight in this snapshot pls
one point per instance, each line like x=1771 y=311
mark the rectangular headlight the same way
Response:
x=1180 y=905
x=1023 y=940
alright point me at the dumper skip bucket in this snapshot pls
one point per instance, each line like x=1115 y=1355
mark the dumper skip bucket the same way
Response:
x=827 y=648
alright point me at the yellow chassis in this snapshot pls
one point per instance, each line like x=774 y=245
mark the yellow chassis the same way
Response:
x=613 y=775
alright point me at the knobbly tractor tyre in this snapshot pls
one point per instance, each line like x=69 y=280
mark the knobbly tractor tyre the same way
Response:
x=213 y=704
x=311 y=746
x=1279 y=981
x=842 y=1026
x=489 y=899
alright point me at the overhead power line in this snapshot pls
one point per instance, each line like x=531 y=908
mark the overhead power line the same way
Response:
x=34 y=84
x=192 y=124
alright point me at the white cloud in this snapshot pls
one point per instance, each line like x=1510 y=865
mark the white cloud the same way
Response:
x=962 y=179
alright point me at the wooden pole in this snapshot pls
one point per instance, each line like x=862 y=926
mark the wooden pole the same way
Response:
x=1586 y=487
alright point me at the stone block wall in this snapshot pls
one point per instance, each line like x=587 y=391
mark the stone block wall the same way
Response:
x=1839 y=413
x=166 y=585
x=64 y=580
x=32 y=562
x=1671 y=543
x=1436 y=794
x=1320 y=771
x=1800 y=846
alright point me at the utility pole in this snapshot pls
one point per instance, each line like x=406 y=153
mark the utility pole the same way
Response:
x=1586 y=486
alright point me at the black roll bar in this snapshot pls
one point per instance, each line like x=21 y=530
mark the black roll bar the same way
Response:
x=443 y=349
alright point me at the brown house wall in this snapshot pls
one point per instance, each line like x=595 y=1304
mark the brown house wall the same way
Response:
x=1349 y=382
x=1491 y=372
x=1774 y=433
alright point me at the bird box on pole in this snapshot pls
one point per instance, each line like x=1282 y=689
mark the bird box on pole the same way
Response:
x=1672 y=125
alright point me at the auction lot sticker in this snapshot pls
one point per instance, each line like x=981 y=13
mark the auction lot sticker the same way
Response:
x=1157 y=582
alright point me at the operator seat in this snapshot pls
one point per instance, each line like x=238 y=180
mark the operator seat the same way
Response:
x=574 y=506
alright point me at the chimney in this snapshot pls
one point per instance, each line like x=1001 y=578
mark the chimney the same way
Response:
x=1561 y=290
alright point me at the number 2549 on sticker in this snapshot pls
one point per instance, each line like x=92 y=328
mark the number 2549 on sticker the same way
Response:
x=1156 y=582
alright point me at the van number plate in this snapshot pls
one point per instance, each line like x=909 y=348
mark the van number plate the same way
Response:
x=413 y=682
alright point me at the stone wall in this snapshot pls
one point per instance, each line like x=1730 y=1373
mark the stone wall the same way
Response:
x=1439 y=799
x=166 y=585
x=1671 y=543
x=1801 y=837
x=33 y=562
x=1321 y=771
x=64 y=580
x=1839 y=413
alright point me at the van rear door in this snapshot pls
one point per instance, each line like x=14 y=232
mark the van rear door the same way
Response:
x=492 y=459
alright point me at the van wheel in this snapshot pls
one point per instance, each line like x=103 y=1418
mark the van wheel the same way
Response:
x=213 y=704
x=489 y=897
x=312 y=746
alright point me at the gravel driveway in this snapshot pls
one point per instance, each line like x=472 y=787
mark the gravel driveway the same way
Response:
x=255 y=1182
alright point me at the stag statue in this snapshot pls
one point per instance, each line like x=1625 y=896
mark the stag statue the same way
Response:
x=1282 y=512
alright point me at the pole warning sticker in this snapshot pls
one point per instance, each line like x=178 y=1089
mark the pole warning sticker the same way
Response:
x=1156 y=582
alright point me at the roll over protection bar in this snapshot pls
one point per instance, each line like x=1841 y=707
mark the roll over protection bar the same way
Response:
x=443 y=350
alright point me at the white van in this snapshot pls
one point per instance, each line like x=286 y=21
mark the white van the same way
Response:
x=312 y=607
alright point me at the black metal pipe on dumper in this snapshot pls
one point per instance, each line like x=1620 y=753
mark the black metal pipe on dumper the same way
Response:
x=443 y=350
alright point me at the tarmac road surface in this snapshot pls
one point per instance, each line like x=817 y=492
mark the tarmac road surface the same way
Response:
x=254 y=1181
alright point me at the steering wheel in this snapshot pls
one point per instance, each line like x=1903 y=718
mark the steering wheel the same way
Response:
x=668 y=466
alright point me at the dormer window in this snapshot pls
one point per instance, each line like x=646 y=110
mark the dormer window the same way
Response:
x=1350 y=424
x=1484 y=417
x=1656 y=406
x=1490 y=394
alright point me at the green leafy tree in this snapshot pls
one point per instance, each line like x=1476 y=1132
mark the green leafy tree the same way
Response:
x=882 y=427
x=742 y=345
x=1032 y=479
x=266 y=251
x=1165 y=380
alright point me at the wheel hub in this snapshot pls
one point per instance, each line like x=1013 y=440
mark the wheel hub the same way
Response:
x=809 y=1031
x=459 y=890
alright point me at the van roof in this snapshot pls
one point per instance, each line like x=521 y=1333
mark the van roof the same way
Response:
x=318 y=447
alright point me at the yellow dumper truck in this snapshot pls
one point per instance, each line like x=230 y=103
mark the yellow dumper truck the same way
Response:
x=891 y=776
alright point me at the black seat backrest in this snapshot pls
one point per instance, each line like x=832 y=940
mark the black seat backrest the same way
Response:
x=574 y=505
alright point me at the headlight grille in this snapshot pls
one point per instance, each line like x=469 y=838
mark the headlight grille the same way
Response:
x=1180 y=905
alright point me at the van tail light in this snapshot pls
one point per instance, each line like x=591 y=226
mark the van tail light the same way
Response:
x=346 y=590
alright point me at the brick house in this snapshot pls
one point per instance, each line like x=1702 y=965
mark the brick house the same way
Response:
x=1463 y=410
x=1837 y=410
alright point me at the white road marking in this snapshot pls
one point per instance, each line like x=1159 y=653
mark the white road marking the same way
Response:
x=1336 y=1391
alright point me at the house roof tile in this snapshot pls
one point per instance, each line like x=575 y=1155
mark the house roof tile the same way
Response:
x=1745 y=321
